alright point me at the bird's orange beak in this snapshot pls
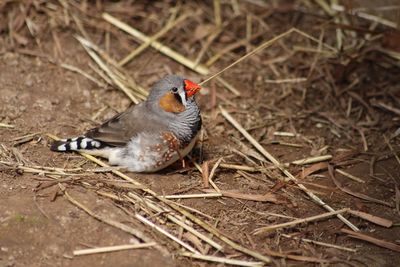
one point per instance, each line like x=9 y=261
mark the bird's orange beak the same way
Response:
x=191 y=88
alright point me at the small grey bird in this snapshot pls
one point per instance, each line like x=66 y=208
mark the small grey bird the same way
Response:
x=149 y=136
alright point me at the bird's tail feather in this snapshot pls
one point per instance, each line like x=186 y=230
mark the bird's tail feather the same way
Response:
x=76 y=144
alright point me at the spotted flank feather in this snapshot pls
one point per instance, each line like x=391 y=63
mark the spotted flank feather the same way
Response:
x=75 y=144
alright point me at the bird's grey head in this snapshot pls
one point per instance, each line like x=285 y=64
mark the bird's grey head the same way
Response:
x=173 y=94
x=172 y=101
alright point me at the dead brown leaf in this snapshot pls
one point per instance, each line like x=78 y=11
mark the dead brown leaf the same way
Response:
x=312 y=169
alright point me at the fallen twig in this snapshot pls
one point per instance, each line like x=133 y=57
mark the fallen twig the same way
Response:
x=268 y=197
x=266 y=229
x=166 y=233
x=356 y=194
x=222 y=260
x=112 y=248
x=373 y=240
x=113 y=223
x=372 y=218
x=5 y=125
x=278 y=165
x=208 y=195
x=176 y=207
x=312 y=160
x=350 y=176
x=320 y=243
x=153 y=38
x=156 y=45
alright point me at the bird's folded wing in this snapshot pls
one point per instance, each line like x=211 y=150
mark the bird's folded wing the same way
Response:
x=119 y=130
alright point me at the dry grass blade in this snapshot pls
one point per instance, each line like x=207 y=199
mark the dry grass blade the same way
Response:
x=218 y=234
x=205 y=47
x=124 y=185
x=241 y=167
x=367 y=16
x=350 y=176
x=176 y=207
x=217 y=12
x=5 y=125
x=325 y=6
x=297 y=257
x=286 y=134
x=166 y=233
x=176 y=220
x=288 y=80
x=261 y=47
x=268 y=197
x=113 y=223
x=267 y=229
x=372 y=218
x=356 y=194
x=42 y=170
x=222 y=260
x=278 y=165
x=320 y=243
x=112 y=248
x=397 y=198
x=228 y=86
x=387 y=107
x=373 y=240
x=24 y=139
x=391 y=149
x=187 y=214
x=135 y=199
x=396 y=56
x=83 y=73
x=156 y=45
x=212 y=175
x=312 y=160
x=240 y=43
x=195 y=211
x=106 y=68
x=208 y=195
x=158 y=35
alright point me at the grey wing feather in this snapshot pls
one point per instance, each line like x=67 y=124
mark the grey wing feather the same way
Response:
x=118 y=130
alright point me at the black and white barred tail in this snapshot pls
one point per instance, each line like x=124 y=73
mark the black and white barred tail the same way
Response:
x=75 y=144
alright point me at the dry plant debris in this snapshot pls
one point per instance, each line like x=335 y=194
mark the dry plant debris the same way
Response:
x=309 y=87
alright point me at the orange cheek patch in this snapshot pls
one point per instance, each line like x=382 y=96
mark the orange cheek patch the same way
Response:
x=170 y=104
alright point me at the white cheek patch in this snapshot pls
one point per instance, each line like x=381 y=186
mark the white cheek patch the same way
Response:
x=61 y=148
x=182 y=95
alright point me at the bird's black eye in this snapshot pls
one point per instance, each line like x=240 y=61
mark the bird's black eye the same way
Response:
x=174 y=89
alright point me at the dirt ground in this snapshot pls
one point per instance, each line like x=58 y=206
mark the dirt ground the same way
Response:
x=328 y=113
